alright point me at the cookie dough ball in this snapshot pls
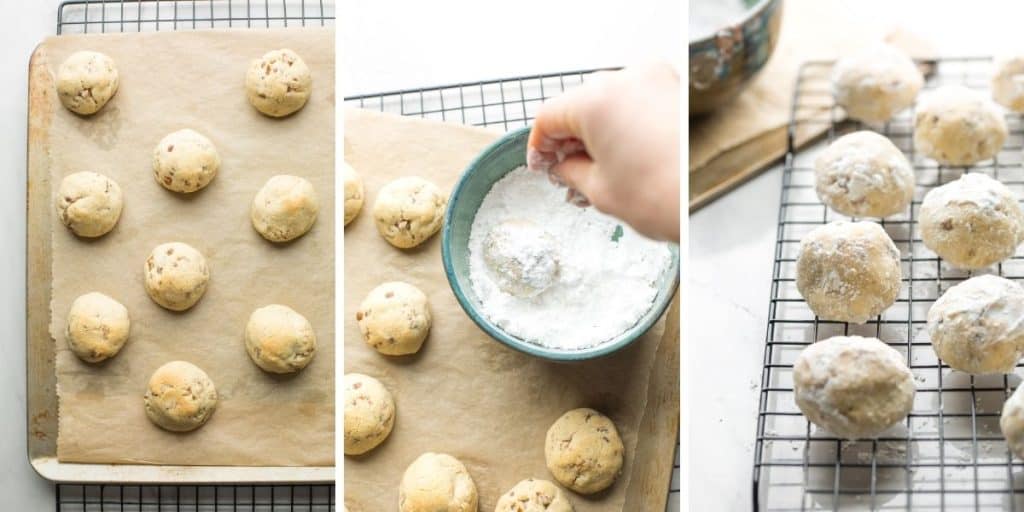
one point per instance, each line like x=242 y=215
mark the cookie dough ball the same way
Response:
x=180 y=397
x=522 y=257
x=185 y=161
x=977 y=326
x=1011 y=422
x=1008 y=82
x=98 y=327
x=176 y=275
x=394 y=318
x=285 y=208
x=853 y=387
x=583 y=451
x=863 y=174
x=972 y=222
x=353 y=192
x=848 y=271
x=89 y=204
x=532 y=495
x=369 y=413
x=876 y=84
x=86 y=81
x=437 y=482
x=279 y=340
x=957 y=126
x=408 y=211
x=279 y=83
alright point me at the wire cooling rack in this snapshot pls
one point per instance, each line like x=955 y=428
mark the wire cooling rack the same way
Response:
x=508 y=103
x=949 y=454
x=95 y=16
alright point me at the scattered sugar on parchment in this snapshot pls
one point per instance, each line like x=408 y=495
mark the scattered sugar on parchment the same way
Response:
x=607 y=272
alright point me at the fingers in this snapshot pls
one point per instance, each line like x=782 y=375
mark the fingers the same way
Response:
x=577 y=173
x=557 y=131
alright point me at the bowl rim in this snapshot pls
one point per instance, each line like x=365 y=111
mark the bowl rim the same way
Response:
x=627 y=337
x=738 y=21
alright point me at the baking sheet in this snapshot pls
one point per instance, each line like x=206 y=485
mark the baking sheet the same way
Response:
x=463 y=393
x=171 y=81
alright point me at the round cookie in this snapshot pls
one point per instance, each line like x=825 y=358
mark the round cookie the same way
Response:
x=1008 y=82
x=583 y=451
x=876 y=84
x=89 y=204
x=972 y=222
x=285 y=208
x=522 y=257
x=977 y=326
x=86 y=81
x=180 y=397
x=848 y=271
x=437 y=482
x=97 y=327
x=394 y=318
x=185 y=161
x=1011 y=422
x=279 y=83
x=408 y=211
x=279 y=340
x=955 y=125
x=369 y=413
x=353 y=192
x=176 y=275
x=853 y=387
x=533 y=495
x=863 y=174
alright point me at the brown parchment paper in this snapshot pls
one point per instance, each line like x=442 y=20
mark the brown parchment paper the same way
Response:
x=195 y=80
x=463 y=393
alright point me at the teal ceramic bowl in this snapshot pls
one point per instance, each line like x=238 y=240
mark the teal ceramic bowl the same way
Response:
x=490 y=166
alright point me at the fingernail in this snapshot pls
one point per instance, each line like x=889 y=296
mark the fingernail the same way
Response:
x=574 y=197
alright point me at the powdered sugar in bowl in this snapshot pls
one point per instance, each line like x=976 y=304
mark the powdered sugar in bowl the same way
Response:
x=545 y=277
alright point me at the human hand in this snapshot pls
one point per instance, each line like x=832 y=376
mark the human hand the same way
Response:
x=614 y=141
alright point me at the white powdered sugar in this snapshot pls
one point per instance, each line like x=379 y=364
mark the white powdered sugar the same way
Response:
x=578 y=277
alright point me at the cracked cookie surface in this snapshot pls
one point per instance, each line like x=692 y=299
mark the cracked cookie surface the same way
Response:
x=89 y=203
x=279 y=83
x=369 y=413
x=583 y=451
x=394 y=318
x=408 y=211
x=97 y=327
x=180 y=397
x=437 y=482
x=176 y=275
x=534 y=495
x=86 y=81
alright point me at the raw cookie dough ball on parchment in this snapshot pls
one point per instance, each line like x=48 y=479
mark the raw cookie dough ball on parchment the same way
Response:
x=185 y=161
x=394 y=318
x=279 y=340
x=89 y=204
x=848 y=271
x=369 y=413
x=285 y=208
x=353 y=192
x=583 y=451
x=853 y=387
x=876 y=84
x=408 y=211
x=977 y=326
x=958 y=126
x=522 y=256
x=86 y=81
x=437 y=482
x=863 y=174
x=972 y=222
x=176 y=275
x=279 y=83
x=1008 y=82
x=533 y=495
x=98 y=327
x=180 y=397
x=1011 y=422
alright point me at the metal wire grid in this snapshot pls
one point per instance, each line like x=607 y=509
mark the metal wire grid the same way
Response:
x=508 y=103
x=92 y=16
x=949 y=453
x=98 y=16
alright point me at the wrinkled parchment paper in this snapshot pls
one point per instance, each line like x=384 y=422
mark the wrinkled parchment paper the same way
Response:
x=463 y=393
x=195 y=80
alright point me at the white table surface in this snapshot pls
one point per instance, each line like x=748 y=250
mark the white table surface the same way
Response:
x=732 y=243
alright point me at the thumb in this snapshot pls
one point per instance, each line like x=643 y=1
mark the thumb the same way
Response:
x=578 y=173
x=556 y=132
